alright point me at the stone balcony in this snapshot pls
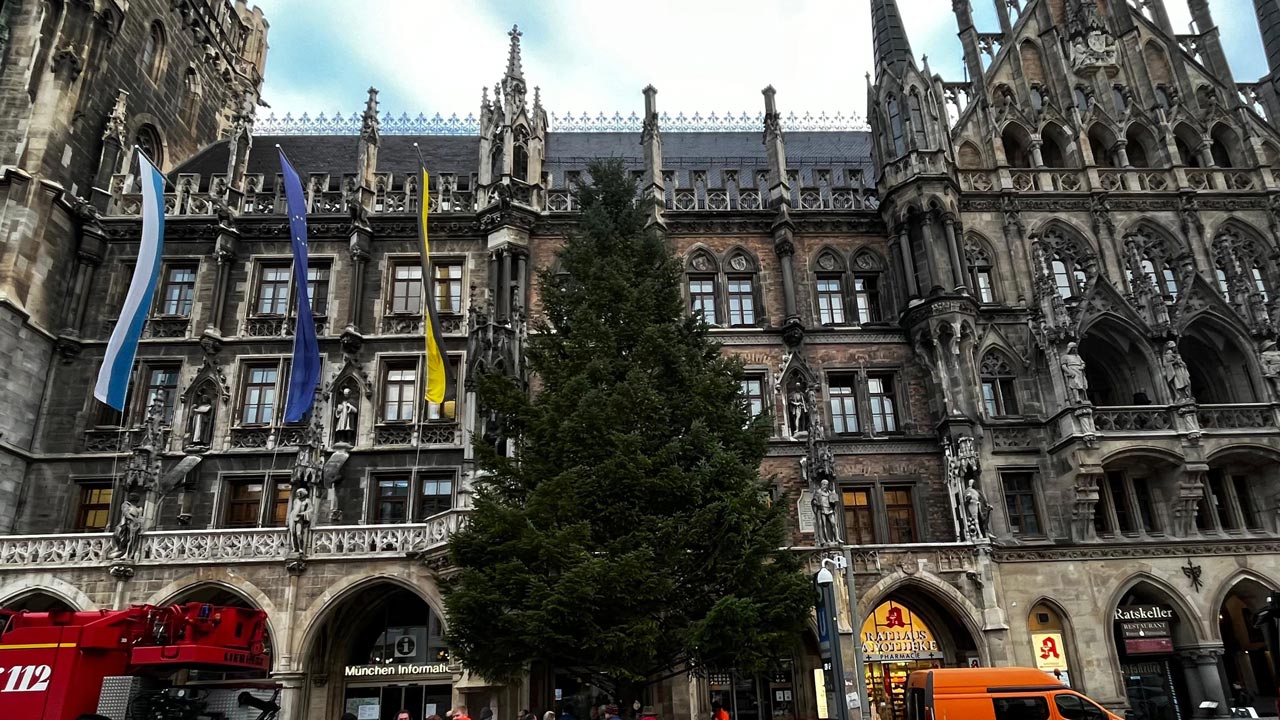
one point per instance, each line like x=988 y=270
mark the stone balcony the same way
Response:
x=219 y=547
x=1127 y=422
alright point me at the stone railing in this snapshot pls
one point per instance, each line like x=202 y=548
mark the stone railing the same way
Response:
x=279 y=326
x=428 y=433
x=1236 y=417
x=1132 y=419
x=107 y=439
x=177 y=547
x=1072 y=180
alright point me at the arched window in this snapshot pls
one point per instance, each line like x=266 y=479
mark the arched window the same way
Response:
x=1141 y=147
x=867 y=273
x=829 y=287
x=1187 y=142
x=1259 y=282
x=1102 y=141
x=740 y=290
x=153 y=50
x=1082 y=98
x=520 y=159
x=917 y=120
x=1064 y=256
x=1224 y=145
x=895 y=127
x=148 y=140
x=190 y=93
x=978 y=264
x=1224 y=286
x=1017 y=145
x=999 y=385
x=50 y=15
x=1154 y=259
x=702 y=274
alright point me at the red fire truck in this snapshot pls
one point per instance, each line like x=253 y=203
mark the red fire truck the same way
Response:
x=65 y=665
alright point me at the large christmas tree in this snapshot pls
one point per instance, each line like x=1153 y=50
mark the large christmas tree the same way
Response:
x=632 y=538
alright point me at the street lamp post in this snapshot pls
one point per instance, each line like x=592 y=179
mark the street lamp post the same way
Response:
x=829 y=637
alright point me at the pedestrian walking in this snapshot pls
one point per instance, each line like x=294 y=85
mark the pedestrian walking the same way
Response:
x=718 y=712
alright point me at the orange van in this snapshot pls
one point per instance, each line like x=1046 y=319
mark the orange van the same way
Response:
x=996 y=694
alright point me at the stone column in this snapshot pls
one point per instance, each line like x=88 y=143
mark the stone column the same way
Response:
x=1037 y=157
x=361 y=239
x=292 y=698
x=953 y=249
x=784 y=248
x=908 y=262
x=225 y=253
x=931 y=253
x=520 y=282
x=1122 y=154
x=504 y=287
x=89 y=256
x=1200 y=665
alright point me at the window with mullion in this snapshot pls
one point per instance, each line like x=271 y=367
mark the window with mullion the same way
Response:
x=1020 y=503
x=274 y=281
x=702 y=297
x=278 y=514
x=179 y=290
x=866 y=298
x=391 y=505
x=1219 y=495
x=406 y=289
x=830 y=300
x=318 y=288
x=859 y=516
x=753 y=391
x=435 y=495
x=94 y=512
x=884 y=405
x=843 y=401
x=399 y=391
x=1121 y=504
x=258 y=407
x=447 y=281
x=1244 y=500
x=900 y=513
x=742 y=301
x=161 y=378
x=980 y=276
x=244 y=503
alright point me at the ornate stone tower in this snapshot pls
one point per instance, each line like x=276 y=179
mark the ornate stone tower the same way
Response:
x=513 y=137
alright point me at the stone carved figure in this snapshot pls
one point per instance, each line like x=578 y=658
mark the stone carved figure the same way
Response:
x=345 y=418
x=300 y=516
x=128 y=530
x=200 y=426
x=1073 y=374
x=1176 y=374
x=1270 y=359
x=798 y=411
x=825 y=502
x=977 y=512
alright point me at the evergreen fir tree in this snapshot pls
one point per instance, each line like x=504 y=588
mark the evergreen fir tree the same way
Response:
x=632 y=538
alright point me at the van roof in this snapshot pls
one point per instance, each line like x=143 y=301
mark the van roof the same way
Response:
x=991 y=677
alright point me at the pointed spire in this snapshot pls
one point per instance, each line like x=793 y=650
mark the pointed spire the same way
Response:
x=537 y=97
x=891 y=44
x=513 y=56
x=370 y=126
x=1268 y=12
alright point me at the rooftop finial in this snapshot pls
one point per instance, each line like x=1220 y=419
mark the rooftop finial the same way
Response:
x=513 y=56
x=369 y=122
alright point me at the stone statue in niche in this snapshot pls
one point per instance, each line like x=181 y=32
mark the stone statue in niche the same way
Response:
x=977 y=511
x=1073 y=374
x=128 y=530
x=825 y=502
x=1176 y=374
x=200 y=425
x=300 y=516
x=798 y=410
x=1270 y=360
x=345 y=419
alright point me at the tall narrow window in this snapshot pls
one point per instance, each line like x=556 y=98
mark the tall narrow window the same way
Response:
x=162 y=379
x=259 y=395
x=979 y=265
x=273 y=289
x=1220 y=497
x=278 y=513
x=985 y=288
x=900 y=514
x=844 y=405
x=753 y=391
x=742 y=310
x=448 y=288
x=859 y=517
x=866 y=298
x=917 y=121
x=895 y=127
x=1259 y=283
x=998 y=386
x=1126 y=522
x=94 y=511
x=702 y=298
x=318 y=289
x=1020 y=503
x=406 y=289
x=883 y=404
x=399 y=392
x=1244 y=498
x=1224 y=287
x=1062 y=279
x=392 y=502
x=179 y=290
x=153 y=50
x=830 y=300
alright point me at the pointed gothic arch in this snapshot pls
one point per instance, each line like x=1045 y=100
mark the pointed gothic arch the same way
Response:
x=938 y=600
x=1225 y=146
x=1058 y=147
x=1016 y=141
x=1141 y=146
x=870 y=288
x=1102 y=141
x=980 y=262
x=1157 y=63
x=969 y=157
x=1188 y=141
x=520 y=153
x=1154 y=251
x=1118 y=363
x=1032 y=62
x=1069 y=255
x=1222 y=370
x=1046 y=617
x=1146 y=588
x=999 y=383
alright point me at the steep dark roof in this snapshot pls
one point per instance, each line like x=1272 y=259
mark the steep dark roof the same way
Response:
x=1268 y=12
x=683 y=153
x=891 y=43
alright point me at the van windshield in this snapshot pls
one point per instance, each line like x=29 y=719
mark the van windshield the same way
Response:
x=1075 y=707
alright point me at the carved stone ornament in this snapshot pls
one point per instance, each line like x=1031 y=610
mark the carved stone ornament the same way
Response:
x=826 y=261
x=738 y=263
x=701 y=263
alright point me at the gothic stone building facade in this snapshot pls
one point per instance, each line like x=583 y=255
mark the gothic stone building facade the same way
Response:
x=1024 y=325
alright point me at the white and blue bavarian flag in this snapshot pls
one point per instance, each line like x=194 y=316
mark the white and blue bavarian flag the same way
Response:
x=117 y=365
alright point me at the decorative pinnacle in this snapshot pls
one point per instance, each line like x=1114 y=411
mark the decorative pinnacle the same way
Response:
x=371 y=105
x=650 y=100
x=537 y=96
x=513 y=56
x=770 y=105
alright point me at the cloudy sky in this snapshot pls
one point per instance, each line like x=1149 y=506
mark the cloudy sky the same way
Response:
x=596 y=55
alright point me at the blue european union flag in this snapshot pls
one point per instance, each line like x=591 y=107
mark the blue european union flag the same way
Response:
x=305 y=375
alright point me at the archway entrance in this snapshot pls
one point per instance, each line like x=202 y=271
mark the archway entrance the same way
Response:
x=37 y=601
x=1245 y=658
x=1148 y=631
x=382 y=651
x=909 y=631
